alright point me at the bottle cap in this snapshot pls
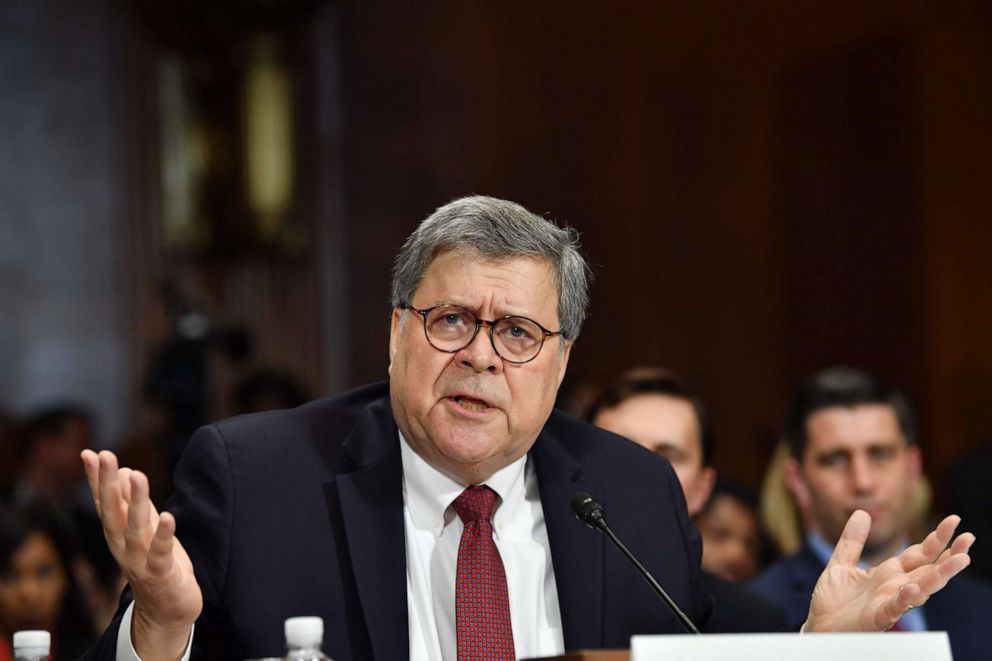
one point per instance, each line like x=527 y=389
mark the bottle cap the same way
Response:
x=33 y=638
x=304 y=631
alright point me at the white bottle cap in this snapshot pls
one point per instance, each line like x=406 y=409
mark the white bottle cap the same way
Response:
x=304 y=631
x=29 y=640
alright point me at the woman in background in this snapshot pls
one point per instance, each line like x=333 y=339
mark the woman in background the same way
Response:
x=37 y=590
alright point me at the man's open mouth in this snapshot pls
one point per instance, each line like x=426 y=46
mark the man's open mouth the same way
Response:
x=470 y=403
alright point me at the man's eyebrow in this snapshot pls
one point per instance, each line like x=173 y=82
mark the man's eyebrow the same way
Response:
x=668 y=445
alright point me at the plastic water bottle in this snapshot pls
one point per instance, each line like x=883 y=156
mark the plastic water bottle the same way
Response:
x=32 y=645
x=304 y=639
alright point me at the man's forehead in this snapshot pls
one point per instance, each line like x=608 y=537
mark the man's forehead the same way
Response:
x=520 y=280
x=839 y=427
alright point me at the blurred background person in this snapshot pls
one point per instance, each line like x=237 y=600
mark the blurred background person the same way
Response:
x=971 y=496
x=266 y=389
x=853 y=445
x=653 y=407
x=37 y=588
x=47 y=459
x=735 y=545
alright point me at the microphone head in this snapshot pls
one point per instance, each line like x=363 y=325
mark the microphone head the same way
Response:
x=588 y=511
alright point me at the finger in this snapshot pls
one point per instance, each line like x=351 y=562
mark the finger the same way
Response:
x=932 y=546
x=935 y=577
x=139 y=526
x=852 y=540
x=112 y=505
x=91 y=465
x=962 y=543
x=907 y=597
x=160 y=556
x=124 y=478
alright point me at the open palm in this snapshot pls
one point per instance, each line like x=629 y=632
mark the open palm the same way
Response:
x=848 y=598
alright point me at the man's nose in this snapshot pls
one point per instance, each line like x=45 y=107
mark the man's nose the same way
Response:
x=862 y=475
x=480 y=355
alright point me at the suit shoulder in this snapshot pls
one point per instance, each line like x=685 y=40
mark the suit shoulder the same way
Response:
x=793 y=572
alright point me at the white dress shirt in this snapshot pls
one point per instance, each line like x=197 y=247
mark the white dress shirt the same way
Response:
x=433 y=532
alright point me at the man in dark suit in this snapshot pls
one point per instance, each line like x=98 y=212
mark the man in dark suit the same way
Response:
x=653 y=407
x=853 y=445
x=353 y=507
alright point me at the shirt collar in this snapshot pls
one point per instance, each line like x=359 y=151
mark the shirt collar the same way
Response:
x=428 y=492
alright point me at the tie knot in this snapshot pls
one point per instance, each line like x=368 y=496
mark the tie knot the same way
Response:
x=475 y=503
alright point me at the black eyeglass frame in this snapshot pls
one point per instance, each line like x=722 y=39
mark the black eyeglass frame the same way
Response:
x=478 y=324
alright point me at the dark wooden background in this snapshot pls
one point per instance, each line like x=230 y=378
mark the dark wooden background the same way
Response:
x=764 y=188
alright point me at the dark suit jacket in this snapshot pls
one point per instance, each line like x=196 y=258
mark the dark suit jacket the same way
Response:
x=301 y=513
x=738 y=610
x=959 y=609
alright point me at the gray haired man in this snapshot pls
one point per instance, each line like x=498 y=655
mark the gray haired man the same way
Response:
x=428 y=518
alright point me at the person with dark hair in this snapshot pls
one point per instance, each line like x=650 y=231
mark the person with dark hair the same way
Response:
x=428 y=517
x=653 y=407
x=735 y=545
x=48 y=469
x=37 y=589
x=852 y=440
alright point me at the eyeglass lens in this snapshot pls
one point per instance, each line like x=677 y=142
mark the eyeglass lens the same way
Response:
x=451 y=328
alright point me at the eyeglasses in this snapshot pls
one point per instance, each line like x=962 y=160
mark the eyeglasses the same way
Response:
x=451 y=328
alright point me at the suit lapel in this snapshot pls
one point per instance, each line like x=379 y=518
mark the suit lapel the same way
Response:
x=371 y=503
x=576 y=551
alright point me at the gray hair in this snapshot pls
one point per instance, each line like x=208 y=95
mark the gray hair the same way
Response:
x=503 y=230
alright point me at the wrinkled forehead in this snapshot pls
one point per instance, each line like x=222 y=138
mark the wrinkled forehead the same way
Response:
x=536 y=271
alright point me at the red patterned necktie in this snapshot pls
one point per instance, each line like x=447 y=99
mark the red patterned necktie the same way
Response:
x=482 y=605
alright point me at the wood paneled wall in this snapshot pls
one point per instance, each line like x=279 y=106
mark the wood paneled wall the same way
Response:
x=764 y=188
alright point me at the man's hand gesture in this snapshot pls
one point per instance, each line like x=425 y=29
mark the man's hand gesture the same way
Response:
x=847 y=598
x=167 y=598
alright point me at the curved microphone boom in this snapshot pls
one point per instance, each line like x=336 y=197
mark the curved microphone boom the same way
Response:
x=591 y=513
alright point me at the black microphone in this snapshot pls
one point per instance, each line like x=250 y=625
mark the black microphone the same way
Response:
x=591 y=513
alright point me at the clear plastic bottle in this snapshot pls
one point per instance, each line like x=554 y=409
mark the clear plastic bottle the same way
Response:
x=304 y=639
x=32 y=645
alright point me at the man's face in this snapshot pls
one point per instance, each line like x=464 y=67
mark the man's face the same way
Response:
x=668 y=426
x=856 y=458
x=470 y=413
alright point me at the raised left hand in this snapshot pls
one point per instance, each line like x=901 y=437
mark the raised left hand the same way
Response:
x=848 y=598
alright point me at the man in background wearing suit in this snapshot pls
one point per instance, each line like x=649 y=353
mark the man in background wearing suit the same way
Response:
x=352 y=507
x=853 y=444
x=654 y=408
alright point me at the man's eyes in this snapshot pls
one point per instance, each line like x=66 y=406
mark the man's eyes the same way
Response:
x=834 y=460
x=842 y=459
x=881 y=454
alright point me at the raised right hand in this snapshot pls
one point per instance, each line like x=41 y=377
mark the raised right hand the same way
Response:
x=167 y=598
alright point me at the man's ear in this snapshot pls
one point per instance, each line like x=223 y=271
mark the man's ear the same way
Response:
x=914 y=465
x=563 y=365
x=795 y=481
x=396 y=322
x=701 y=491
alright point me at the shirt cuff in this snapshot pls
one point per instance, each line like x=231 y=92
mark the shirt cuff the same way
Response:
x=125 y=646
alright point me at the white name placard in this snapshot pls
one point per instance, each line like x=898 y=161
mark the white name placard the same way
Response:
x=889 y=646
